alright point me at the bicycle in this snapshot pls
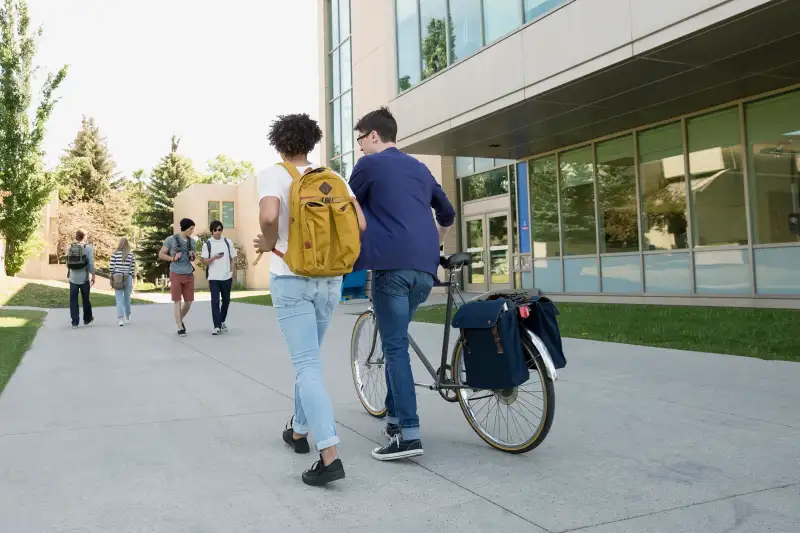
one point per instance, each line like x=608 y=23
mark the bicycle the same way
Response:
x=536 y=394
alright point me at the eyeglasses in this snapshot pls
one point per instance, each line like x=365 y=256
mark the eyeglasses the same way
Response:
x=359 y=139
x=217 y=230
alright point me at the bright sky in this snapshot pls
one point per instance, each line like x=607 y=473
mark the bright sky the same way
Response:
x=214 y=73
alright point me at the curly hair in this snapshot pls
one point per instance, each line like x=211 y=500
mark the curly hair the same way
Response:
x=293 y=135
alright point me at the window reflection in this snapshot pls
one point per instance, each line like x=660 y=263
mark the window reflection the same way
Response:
x=577 y=202
x=408 y=44
x=484 y=185
x=773 y=136
x=435 y=36
x=616 y=184
x=347 y=122
x=537 y=8
x=663 y=187
x=717 y=181
x=500 y=18
x=465 y=23
x=544 y=207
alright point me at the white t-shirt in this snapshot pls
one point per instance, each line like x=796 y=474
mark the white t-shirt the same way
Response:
x=276 y=181
x=219 y=270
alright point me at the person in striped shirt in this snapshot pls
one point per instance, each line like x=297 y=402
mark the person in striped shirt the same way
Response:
x=123 y=262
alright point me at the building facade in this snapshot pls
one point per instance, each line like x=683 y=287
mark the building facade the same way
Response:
x=599 y=150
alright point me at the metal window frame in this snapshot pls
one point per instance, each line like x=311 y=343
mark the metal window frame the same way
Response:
x=332 y=98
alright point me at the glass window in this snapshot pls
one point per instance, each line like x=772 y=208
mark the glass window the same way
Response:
x=336 y=71
x=773 y=137
x=667 y=273
x=408 y=49
x=344 y=18
x=502 y=17
x=335 y=22
x=465 y=23
x=547 y=275
x=347 y=122
x=717 y=179
x=482 y=164
x=435 y=36
x=577 y=202
x=228 y=218
x=498 y=249
x=616 y=184
x=347 y=70
x=544 y=208
x=776 y=270
x=622 y=273
x=663 y=188
x=347 y=165
x=537 y=8
x=465 y=166
x=336 y=145
x=580 y=275
x=476 y=273
x=213 y=211
x=722 y=272
x=492 y=183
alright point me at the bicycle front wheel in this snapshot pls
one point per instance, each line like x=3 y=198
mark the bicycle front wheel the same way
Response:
x=511 y=420
x=367 y=364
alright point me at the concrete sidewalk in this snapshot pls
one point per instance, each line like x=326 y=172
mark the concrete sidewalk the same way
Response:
x=108 y=429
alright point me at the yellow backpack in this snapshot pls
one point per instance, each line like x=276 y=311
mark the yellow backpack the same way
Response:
x=324 y=238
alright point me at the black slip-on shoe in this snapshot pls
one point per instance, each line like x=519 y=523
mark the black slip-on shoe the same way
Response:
x=298 y=445
x=319 y=474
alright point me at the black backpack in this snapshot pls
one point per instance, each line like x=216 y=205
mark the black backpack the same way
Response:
x=208 y=245
x=76 y=257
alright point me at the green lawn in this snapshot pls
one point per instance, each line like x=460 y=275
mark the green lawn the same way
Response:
x=27 y=293
x=17 y=329
x=263 y=299
x=761 y=333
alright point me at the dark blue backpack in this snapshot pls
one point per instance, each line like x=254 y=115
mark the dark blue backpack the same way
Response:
x=493 y=356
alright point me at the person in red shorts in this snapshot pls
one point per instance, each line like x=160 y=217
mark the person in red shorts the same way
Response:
x=178 y=250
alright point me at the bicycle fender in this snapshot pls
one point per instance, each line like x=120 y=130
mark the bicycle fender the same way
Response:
x=542 y=349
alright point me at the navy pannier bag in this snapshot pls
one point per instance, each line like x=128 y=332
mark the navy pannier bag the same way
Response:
x=543 y=322
x=493 y=356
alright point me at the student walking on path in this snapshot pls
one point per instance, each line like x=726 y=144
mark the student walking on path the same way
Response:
x=178 y=250
x=218 y=254
x=122 y=267
x=80 y=265
x=304 y=305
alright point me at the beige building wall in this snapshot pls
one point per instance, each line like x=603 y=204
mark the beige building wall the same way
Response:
x=38 y=266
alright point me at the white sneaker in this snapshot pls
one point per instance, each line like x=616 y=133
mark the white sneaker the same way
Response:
x=216 y=331
x=121 y=322
x=224 y=328
x=128 y=319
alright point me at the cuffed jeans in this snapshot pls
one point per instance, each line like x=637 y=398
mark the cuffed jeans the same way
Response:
x=123 y=298
x=305 y=306
x=218 y=288
x=84 y=289
x=396 y=296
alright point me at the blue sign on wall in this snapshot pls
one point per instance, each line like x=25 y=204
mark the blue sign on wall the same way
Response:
x=523 y=209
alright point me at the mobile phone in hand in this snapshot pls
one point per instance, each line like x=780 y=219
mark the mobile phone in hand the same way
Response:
x=220 y=255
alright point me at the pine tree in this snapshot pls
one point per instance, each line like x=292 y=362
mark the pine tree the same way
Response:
x=86 y=171
x=172 y=175
x=21 y=169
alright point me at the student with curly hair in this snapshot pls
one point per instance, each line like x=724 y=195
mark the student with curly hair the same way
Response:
x=304 y=305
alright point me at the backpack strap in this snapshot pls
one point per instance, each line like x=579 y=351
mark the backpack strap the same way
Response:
x=230 y=257
x=291 y=169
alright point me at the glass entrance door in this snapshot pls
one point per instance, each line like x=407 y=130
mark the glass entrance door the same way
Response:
x=486 y=239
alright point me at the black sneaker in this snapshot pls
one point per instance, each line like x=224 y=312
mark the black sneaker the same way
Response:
x=391 y=430
x=319 y=474
x=398 y=449
x=87 y=322
x=299 y=445
x=182 y=332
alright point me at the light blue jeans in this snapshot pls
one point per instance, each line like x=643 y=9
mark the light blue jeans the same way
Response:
x=123 y=297
x=303 y=306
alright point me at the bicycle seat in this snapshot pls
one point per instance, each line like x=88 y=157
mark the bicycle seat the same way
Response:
x=457 y=260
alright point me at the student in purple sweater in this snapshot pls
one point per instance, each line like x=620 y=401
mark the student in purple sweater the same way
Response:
x=401 y=247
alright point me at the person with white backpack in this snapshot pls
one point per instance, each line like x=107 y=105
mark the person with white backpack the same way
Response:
x=122 y=267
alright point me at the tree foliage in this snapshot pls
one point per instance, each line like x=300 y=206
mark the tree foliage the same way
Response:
x=86 y=171
x=225 y=170
x=21 y=168
x=434 y=47
x=170 y=177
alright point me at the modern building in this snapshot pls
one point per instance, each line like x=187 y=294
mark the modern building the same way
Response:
x=44 y=264
x=600 y=150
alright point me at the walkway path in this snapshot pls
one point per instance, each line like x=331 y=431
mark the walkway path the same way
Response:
x=108 y=429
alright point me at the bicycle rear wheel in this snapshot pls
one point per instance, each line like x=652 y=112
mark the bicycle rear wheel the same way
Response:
x=367 y=364
x=512 y=420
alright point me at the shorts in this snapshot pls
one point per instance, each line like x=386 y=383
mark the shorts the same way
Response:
x=181 y=285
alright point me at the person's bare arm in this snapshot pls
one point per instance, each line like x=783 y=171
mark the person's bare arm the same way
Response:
x=268 y=210
x=163 y=254
x=362 y=221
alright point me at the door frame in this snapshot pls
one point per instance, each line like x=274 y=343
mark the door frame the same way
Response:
x=486 y=253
